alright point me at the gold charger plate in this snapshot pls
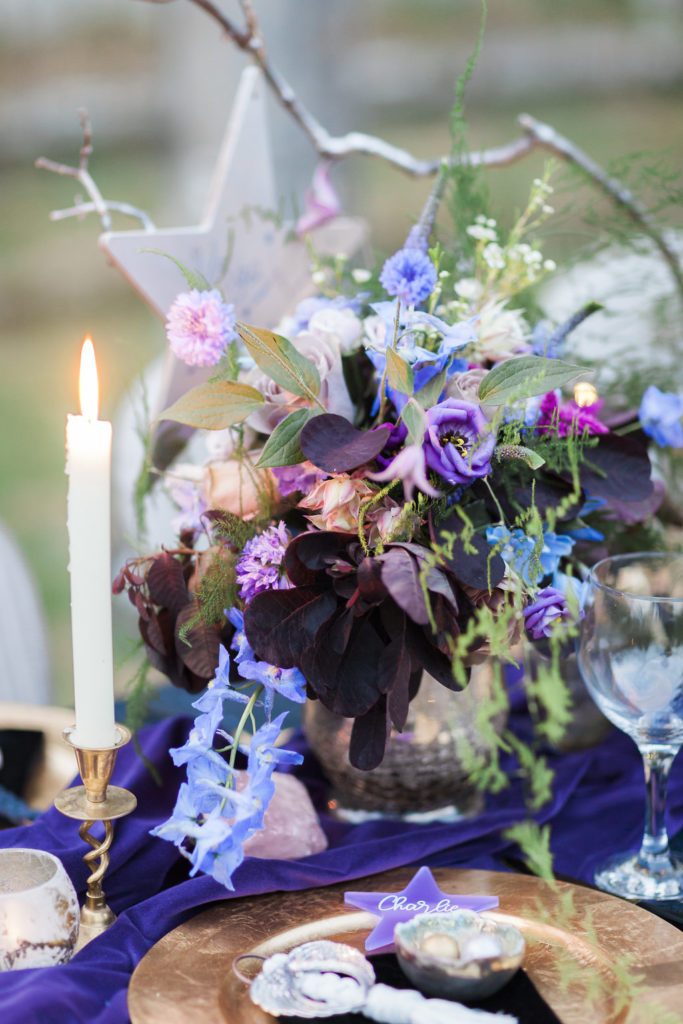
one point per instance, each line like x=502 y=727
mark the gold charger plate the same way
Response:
x=187 y=976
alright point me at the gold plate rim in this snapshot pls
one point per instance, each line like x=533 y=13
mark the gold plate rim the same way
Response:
x=187 y=975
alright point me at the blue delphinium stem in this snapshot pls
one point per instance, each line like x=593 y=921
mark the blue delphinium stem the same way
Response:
x=246 y=715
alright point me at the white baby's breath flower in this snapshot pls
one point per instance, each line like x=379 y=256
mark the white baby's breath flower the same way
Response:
x=481 y=233
x=360 y=275
x=467 y=288
x=493 y=256
x=549 y=265
x=318 y=277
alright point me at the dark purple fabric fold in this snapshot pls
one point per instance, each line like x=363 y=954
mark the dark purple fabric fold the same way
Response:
x=597 y=809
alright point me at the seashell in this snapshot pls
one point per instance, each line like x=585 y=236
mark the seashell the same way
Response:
x=459 y=955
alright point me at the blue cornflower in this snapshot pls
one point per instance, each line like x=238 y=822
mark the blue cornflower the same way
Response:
x=660 y=417
x=410 y=275
x=519 y=551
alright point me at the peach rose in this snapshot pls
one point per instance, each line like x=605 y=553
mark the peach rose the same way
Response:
x=338 y=501
x=237 y=487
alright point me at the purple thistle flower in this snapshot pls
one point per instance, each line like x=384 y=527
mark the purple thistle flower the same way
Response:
x=259 y=567
x=660 y=417
x=549 y=607
x=199 y=327
x=410 y=275
x=457 y=445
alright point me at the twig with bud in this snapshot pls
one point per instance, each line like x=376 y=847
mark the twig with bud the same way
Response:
x=98 y=204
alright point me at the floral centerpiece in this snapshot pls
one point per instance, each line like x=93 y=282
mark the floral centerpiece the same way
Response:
x=405 y=475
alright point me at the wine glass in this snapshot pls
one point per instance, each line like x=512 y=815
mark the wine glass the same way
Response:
x=631 y=658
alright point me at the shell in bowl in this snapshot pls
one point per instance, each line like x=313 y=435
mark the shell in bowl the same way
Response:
x=459 y=955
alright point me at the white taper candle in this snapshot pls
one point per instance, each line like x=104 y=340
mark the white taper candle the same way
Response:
x=88 y=467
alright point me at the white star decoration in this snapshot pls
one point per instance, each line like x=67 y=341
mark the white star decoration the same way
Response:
x=255 y=262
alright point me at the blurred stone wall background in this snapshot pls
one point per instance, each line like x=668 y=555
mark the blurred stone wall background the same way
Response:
x=158 y=80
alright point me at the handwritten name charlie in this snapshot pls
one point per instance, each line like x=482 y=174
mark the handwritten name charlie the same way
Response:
x=392 y=902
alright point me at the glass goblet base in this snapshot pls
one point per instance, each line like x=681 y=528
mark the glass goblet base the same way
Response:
x=626 y=875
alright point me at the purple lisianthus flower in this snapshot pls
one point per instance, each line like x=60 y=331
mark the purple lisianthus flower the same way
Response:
x=410 y=275
x=408 y=466
x=259 y=567
x=457 y=444
x=395 y=441
x=568 y=417
x=200 y=326
x=660 y=417
x=550 y=606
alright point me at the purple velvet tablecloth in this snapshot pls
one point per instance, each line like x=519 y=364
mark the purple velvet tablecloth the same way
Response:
x=597 y=809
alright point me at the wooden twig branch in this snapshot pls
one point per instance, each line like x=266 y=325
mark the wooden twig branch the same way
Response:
x=536 y=135
x=97 y=204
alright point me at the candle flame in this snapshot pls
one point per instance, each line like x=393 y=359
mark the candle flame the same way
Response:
x=88 y=387
x=585 y=393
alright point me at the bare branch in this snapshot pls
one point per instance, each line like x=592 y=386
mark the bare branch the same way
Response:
x=83 y=209
x=536 y=135
x=98 y=203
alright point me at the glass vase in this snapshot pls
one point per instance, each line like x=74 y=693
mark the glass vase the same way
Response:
x=424 y=775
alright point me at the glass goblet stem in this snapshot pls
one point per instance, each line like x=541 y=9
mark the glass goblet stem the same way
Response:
x=657 y=763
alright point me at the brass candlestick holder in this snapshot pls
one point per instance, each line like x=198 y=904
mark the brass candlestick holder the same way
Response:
x=95 y=801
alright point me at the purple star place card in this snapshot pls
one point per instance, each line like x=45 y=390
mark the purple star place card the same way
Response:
x=421 y=896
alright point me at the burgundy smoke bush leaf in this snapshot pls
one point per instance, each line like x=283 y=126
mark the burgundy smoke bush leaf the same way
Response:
x=471 y=568
x=630 y=512
x=333 y=444
x=369 y=737
x=400 y=575
x=119 y=583
x=393 y=671
x=133 y=578
x=166 y=583
x=280 y=623
x=438 y=583
x=158 y=632
x=369 y=579
x=352 y=688
x=425 y=655
x=623 y=469
x=201 y=656
x=311 y=553
x=140 y=605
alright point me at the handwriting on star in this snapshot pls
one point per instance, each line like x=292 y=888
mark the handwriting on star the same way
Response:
x=421 y=896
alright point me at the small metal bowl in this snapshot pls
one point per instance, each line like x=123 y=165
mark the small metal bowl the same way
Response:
x=451 y=966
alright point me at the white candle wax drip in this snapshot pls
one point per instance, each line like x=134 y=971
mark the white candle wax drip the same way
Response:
x=88 y=467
